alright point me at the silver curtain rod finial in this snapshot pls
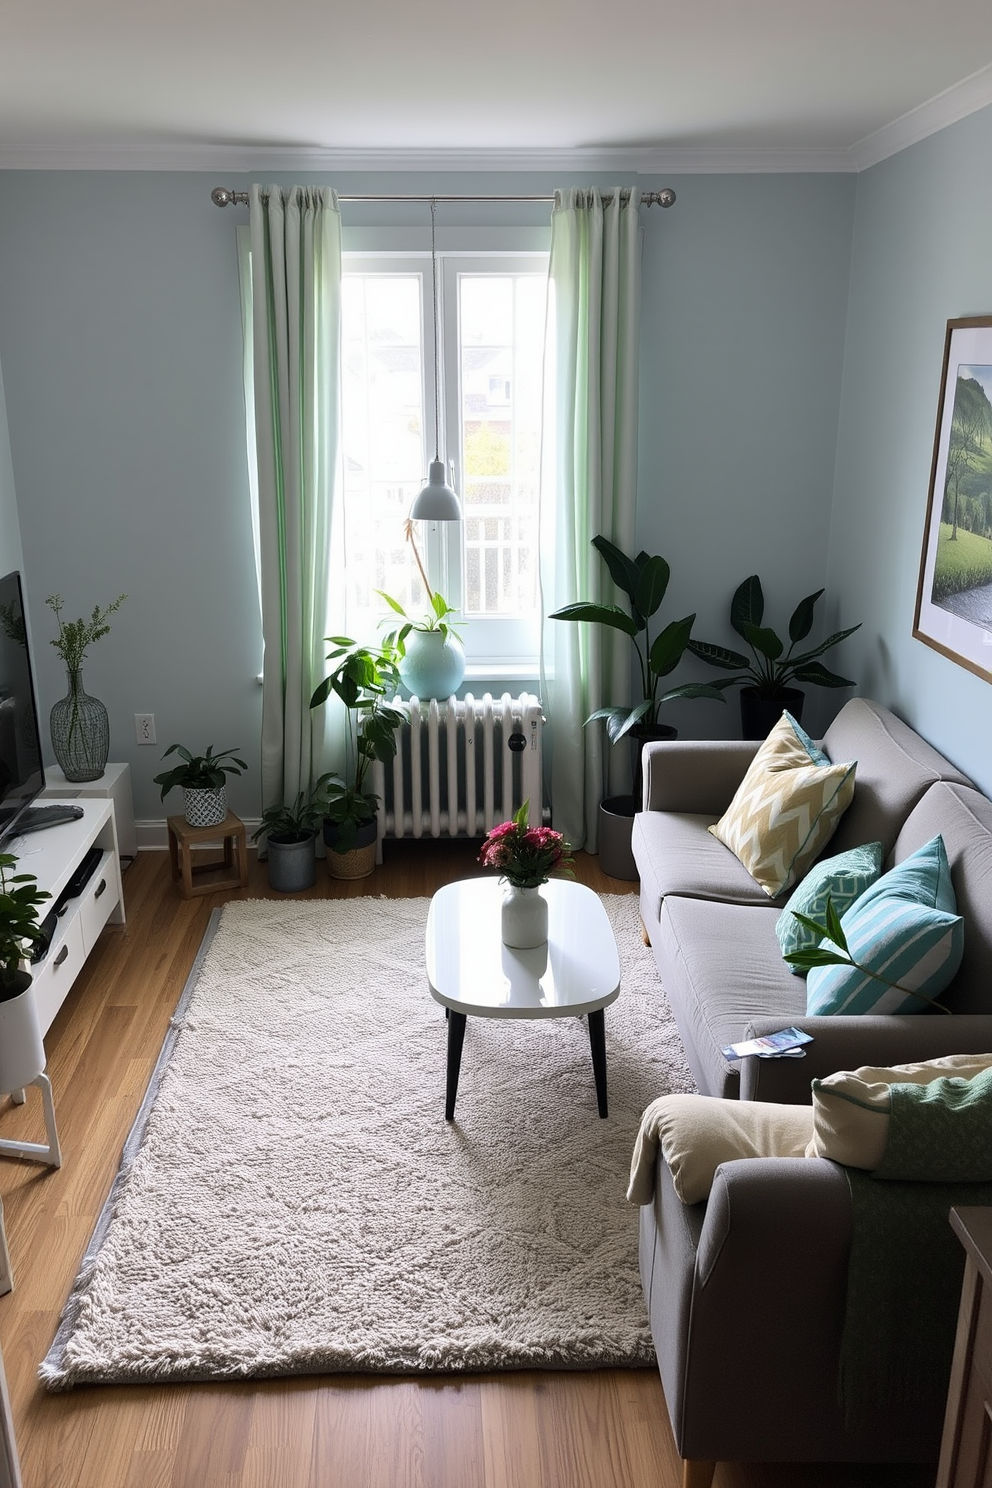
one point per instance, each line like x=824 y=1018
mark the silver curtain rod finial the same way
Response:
x=221 y=196
x=664 y=198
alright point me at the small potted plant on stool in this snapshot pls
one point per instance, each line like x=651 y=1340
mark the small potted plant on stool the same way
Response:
x=202 y=780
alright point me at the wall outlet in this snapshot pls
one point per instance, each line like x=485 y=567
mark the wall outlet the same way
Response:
x=144 y=728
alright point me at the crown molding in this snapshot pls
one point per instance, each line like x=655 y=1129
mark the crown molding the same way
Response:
x=247 y=159
x=955 y=103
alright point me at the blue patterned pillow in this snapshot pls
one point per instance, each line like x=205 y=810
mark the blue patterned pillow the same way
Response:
x=905 y=928
x=844 y=878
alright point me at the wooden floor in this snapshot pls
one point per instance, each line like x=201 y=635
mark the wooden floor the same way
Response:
x=604 y=1429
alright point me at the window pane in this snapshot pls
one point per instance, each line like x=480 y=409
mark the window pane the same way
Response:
x=382 y=433
x=501 y=338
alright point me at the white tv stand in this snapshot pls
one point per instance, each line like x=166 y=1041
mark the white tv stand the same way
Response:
x=52 y=855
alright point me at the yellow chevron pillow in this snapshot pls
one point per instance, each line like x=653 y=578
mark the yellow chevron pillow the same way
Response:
x=786 y=808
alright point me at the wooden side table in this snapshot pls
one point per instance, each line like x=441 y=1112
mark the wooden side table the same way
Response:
x=227 y=872
x=966 y=1447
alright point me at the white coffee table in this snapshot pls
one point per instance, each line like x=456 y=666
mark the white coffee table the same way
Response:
x=473 y=974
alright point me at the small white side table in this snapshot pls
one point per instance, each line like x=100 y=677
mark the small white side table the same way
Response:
x=115 y=783
x=471 y=971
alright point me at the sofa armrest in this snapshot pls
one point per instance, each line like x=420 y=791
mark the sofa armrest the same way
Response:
x=767 y=1312
x=694 y=775
x=846 y=1043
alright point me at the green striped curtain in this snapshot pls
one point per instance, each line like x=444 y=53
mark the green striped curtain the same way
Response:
x=295 y=238
x=594 y=351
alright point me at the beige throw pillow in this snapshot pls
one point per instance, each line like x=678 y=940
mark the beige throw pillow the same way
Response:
x=851 y=1109
x=696 y=1133
x=785 y=811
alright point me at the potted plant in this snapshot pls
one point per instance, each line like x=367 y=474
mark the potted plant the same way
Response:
x=201 y=777
x=363 y=678
x=644 y=581
x=290 y=833
x=79 y=723
x=22 y=1053
x=766 y=676
x=430 y=656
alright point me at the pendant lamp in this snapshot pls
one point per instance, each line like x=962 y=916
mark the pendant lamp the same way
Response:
x=437 y=502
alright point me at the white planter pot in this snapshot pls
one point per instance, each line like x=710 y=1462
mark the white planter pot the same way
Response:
x=205 y=808
x=22 y=1052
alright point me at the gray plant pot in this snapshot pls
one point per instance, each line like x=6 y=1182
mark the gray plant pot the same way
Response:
x=292 y=863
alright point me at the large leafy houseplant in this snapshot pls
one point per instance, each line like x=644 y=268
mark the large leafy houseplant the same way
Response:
x=363 y=678
x=644 y=580
x=769 y=673
x=20 y=928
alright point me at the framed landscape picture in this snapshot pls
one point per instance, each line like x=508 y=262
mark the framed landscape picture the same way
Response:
x=954 y=595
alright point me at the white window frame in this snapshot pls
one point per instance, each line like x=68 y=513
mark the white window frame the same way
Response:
x=498 y=648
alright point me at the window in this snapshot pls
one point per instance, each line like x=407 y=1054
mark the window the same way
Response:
x=492 y=312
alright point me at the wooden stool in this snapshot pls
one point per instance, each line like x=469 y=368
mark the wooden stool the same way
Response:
x=232 y=867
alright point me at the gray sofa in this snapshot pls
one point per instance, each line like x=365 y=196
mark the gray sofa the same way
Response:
x=712 y=928
x=758 y=1271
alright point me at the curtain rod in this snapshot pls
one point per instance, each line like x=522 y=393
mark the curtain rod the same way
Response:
x=222 y=197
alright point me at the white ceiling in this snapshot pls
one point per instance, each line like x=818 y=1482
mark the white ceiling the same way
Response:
x=708 y=84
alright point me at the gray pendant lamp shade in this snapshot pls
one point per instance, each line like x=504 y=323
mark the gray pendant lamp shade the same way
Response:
x=437 y=502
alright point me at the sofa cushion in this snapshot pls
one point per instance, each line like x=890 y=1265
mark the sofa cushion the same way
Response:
x=786 y=809
x=963 y=817
x=895 y=768
x=851 y=1109
x=696 y=1133
x=720 y=965
x=842 y=878
x=676 y=854
x=904 y=928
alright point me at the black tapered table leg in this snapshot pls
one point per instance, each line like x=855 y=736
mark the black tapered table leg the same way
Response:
x=456 y=1037
x=597 y=1043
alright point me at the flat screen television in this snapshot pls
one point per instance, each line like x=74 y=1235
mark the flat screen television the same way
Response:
x=22 y=774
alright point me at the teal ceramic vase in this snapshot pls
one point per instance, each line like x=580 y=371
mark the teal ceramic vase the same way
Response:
x=434 y=664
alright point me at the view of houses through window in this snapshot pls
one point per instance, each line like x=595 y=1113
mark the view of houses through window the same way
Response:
x=491 y=360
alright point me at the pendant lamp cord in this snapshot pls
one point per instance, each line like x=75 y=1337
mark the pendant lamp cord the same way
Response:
x=437 y=394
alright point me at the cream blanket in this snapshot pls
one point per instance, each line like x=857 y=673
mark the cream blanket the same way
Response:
x=696 y=1133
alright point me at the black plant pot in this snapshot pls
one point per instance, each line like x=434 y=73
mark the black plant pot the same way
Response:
x=760 y=714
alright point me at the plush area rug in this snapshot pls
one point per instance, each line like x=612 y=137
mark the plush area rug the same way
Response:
x=292 y=1201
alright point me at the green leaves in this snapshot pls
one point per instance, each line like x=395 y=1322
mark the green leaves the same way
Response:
x=362 y=679
x=20 y=928
x=771 y=667
x=75 y=635
x=198 y=771
x=644 y=580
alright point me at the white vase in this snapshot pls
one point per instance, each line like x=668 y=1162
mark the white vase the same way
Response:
x=524 y=918
x=22 y=1053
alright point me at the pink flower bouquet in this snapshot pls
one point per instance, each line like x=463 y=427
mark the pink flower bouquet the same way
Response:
x=525 y=856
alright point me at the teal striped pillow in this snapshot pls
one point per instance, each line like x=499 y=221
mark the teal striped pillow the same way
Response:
x=842 y=879
x=906 y=929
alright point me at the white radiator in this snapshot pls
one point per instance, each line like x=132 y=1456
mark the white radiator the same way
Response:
x=461 y=766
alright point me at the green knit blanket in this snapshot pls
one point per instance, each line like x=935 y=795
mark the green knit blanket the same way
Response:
x=906 y=1264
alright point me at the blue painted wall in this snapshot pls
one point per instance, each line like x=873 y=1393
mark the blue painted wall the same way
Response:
x=120 y=347
x=922 y=255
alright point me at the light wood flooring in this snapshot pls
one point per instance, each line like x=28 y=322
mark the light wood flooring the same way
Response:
x=601 y=1429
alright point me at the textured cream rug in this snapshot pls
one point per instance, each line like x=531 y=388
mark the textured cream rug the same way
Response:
x=292 y=1201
